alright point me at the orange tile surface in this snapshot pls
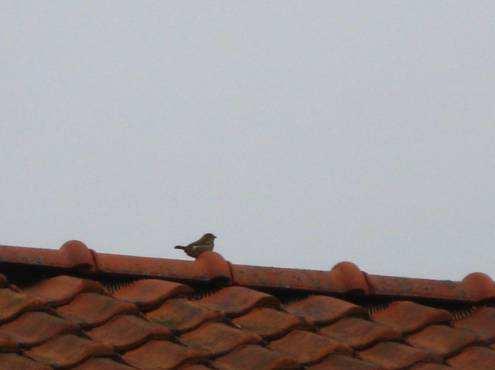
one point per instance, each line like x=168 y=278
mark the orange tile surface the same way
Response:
x=84 y=310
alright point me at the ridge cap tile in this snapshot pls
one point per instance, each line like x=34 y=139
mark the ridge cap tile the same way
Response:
x=147 y=293
x=102 y=363
x=344 y=277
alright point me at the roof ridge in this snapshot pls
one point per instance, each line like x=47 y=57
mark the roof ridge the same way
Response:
x=343 y=278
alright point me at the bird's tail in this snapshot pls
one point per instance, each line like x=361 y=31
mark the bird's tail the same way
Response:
x=180 y=247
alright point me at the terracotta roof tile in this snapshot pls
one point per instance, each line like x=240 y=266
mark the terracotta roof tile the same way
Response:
x=47 y=326
x=92 y=309
x=217 y=338
x=161 y=354
x=67 y=350
x=268 y=322
x=62 y=289
x=147 y=293
x=13 y=304
x=234 y=301
x=481 y=322
x=182 y=314
x=319 y=310
x=393 y=356
x=102 y=364
x=442 y=340
x=211 y=314
x=476 y=358
x=359 y=333
x=306 y=347
x=12 y=361
x=343 y=362
x=252 y=357
x=128 y=331
x=407 y=317
x=7 y=344
x=431 y=366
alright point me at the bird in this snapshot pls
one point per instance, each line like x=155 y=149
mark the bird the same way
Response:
x=203 y=244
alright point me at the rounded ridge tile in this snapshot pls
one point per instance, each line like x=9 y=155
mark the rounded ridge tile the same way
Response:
x=478 y=286
x=214 y=266
x=77 y=255
x=147 y=293
x=347 y=277
x=62 y=289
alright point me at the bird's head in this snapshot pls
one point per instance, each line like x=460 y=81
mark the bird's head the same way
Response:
x=209 y=236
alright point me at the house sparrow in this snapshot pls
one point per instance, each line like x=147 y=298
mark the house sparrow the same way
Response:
x=203 y=244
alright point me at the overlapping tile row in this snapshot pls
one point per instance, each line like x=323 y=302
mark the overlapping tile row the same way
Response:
x=69 y=322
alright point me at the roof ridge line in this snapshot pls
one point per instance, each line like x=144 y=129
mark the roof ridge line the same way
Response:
x=343 y=278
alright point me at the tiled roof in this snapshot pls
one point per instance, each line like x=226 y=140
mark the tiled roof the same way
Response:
x=74 y=308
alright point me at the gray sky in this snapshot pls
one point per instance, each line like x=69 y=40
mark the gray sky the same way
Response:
x=301 y=133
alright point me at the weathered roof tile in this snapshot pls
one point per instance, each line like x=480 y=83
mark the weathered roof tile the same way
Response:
x=146 y=293
x=306 y=347
x=128 y=331
x=92 y=309
x=407 y=317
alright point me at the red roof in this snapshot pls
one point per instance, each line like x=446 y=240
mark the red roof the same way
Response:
x=74 y=308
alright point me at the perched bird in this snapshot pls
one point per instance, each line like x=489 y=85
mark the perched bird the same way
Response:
x=203 y=244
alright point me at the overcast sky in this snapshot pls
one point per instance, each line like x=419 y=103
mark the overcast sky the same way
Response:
x=300 y=133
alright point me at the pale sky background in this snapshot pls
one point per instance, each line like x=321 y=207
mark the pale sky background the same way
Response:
x=301 y=133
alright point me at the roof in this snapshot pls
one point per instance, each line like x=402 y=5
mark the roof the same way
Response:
x=74 y=308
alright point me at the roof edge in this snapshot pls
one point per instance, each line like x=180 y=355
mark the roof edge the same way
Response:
x=343 y=278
